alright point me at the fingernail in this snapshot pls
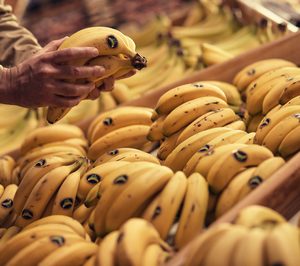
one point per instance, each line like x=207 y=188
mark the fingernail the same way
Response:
x=100 y=69
x=95 y=51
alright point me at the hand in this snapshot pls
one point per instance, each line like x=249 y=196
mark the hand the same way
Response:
x=108 y=85
x=41 y=79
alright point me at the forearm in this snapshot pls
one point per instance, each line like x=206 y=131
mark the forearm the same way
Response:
x=16 y=42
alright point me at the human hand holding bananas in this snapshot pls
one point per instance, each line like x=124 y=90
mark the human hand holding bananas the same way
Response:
x=39 y=80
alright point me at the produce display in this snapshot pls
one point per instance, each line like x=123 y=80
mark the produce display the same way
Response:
x=145 y=186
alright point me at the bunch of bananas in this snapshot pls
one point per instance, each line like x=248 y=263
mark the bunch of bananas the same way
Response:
x=116 y=53
x=190 y=109
x=53 y=240
x=119 y=128
x=260 y=236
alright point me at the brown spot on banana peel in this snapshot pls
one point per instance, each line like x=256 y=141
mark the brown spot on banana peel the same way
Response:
x=139 y=62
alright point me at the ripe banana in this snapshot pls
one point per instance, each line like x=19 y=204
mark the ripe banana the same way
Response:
x=228 y=165
x=164 y=208
x=254 y=122
x=251 y=72
x=211 y=119
x=182 y=94
x=121 y=117
x=44 y=135
x=155 y=131
x=7 y=164
x=270 y=121
x=194 y=210
x=143 y=187
x=167 y=145
x=258 y=216
x=212 y=54
x=178 y=158
x=131 y=136
x=189 y=111
x=155 y=255
x=293 y=90
x=7 y=202
x=290 y=144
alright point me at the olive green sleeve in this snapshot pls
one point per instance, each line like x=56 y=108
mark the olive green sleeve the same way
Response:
x=16 y=42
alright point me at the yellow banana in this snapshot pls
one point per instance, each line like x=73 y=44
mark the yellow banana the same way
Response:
x=167 y=146
x=7 y=164
x=7 y=202
x=212 y=54
x=290 y=144
x=155 y=131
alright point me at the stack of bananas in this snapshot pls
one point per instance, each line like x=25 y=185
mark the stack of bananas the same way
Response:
x=118 y=128
x=272 y=93
x=260 y=236
x=188 y=110
x=116 y=53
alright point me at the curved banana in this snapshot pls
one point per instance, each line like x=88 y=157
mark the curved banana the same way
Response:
x=143 y=187
x=189 y=111
x=194 y=210
x=131 y=136
x=82 y=213
x=182 y=94
x=155 y=131
x=178 y=158
x=290 y=144
x=290 y=92
x=7 y=164
x=167 y=145
x=254 y=122
x=163 y=212
x=7 y=202
x=44 y=135
x=211 y=119
x=155 y=255
x=251 y=72
x=219 y=176
x=212 y=54
x=121 y=117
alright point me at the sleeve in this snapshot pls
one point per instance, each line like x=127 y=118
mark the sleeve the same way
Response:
x=16 y=42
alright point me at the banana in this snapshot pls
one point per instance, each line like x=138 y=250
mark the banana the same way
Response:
x=106 y=253
x=237 y=125
x=111 y=187
x=294 y=101
x=44 y=135
x=122 y=117
x=135 y=236
x=212 y=54
x=230 y=195
x=76 y=254
x=143 y=187
x=95 y=176
x=276 y=135
x=121 y=93
x=203 y=161
x=45 y=246
x=155 y=131
x=231 y=92
x=1 y=190
x=211 y=119
x=65 y=197
x=167 y=203
x=272 y=98
x=41 y=194
x=9 y=233
x=293 y=90
x=225 y=247
x=167 y=146
x=229 y=137
x=270 y=121
x=253 y=122
x=178 y=158
x=253 y=71
x=82 y=213
x=107 y=102
x=290 y=144
x=7 y=164
x=262 y=172
x=93 y=196
x=7 y=202
x=155 y=255
x=189 y=111
x=25 y=238
x=194 y=210
x=131 y=136
x=258 y=216
x=250 y=155
x=34 y=174
x=182 y=94
x=282 y=245
x=250 y=249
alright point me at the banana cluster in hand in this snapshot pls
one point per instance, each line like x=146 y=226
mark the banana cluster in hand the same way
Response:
x=260 y=236
x=116 y=53
x=124 y=127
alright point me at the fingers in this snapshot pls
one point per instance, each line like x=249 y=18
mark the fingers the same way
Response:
x=53 y=46
x=94 y=94
x=70 y=54
x=108 y=84
x=65 y=89
x=72 y=72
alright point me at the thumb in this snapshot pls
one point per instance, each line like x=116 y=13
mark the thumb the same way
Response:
x=53 y=46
